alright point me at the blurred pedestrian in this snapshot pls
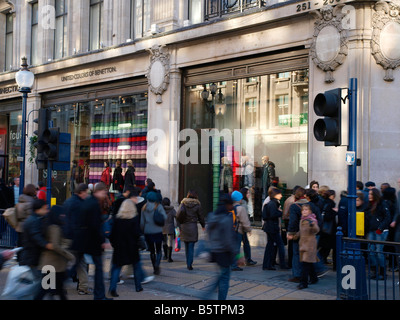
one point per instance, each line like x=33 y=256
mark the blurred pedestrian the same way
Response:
x=42 y=191
x=153 y=232
x=124 y=240
x=188 y=214
x=222 y=244
x=58 y=256
x=93 y=237
x=168 y=229
x=75 y=233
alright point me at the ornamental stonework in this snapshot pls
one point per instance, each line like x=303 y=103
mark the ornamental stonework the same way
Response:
x=158 y=71
x=329 y=46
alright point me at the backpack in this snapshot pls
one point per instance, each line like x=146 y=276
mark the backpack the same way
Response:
x=11 y=217
x=158 y=218
x=235 y=220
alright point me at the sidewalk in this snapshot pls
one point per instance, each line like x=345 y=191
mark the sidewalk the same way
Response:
x=176 y=282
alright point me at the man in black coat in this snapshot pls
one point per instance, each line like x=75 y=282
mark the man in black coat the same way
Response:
x=73 y=207
x=130 y=179
x=93 y=238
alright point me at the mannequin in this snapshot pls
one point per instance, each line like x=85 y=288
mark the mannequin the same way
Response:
x=118 y=179
x=130 y=179
x=226 y=176
x=106 y=175
x=86 y=171
x=248 y=182
x=268 y=175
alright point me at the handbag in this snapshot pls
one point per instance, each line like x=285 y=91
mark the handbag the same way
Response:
x=158 y=218
x=328 y=227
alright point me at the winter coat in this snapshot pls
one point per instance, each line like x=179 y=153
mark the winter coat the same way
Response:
x=295 y=215
x=73 y=212
x=271 y=214
x=242 y=218
x=308 y=241
x=189 y=213
x=92 y=226
x=130 y=179
x=288 y=202
x=147 y=224
x=33 y=240
x=58 y=257
x=220 y=231
x=125 y=233
x=118 y=179
x=268 y=174
x=23 y=210
x=380 y=219
x=329 y=216
x=169 y=226
x=106 y=176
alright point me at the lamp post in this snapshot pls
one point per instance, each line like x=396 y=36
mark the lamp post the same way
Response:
x=24 y=79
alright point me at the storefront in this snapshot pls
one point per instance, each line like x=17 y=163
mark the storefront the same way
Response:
x=263 y=102
x=10 y=136
x=107 y=123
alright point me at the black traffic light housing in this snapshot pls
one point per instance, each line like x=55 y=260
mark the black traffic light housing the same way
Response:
x=329 y=106
x=43 y=122
x=51 y=140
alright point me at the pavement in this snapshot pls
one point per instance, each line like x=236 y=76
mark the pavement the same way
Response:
x=176 y=282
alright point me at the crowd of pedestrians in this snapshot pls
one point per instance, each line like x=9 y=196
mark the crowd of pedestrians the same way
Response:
x=300 y=232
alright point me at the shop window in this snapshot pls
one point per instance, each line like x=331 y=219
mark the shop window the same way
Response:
x=103 y=130
x=96 y=23
x=14 y=143
x=60 y=31
x=266 y=116
x=9 y=42
x=34 y=34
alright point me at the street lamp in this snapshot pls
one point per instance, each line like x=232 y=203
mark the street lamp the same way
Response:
x=25 y=80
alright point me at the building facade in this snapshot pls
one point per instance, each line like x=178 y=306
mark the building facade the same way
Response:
x=197 y=93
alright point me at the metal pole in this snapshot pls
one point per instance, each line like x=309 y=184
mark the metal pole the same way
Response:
x=23 y=140
x=49 y=173
x=352 y=195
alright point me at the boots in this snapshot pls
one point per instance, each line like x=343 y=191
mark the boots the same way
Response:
x=169 y=254
x=157 y=263
x=153 y=260
x=382 y=274
x=166 y=252
x=373 y=273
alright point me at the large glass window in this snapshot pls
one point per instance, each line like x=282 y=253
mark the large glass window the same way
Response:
x=14 y=143
x=34 y=34
x=195 y=11
x=9 y=41
x=140 y=18
x=60 y=32
x=112 y=130
x=255 y=117
x=95 y=29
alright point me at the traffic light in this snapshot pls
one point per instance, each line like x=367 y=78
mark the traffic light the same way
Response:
x=42 y=121
x=329 y=106
x=51 y=141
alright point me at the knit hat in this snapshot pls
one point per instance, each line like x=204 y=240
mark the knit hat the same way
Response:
x=152 y=196
x=236 y=196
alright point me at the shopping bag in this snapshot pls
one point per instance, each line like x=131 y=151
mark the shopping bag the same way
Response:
x=21 y=284
x=177 y=240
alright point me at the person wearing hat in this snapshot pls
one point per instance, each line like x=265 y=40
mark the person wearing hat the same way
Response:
x=222 y=244
x=130 y=179
x=124 y=237
x=242 y=224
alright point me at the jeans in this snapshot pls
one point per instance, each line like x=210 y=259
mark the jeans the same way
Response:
x=99 y=288
x=246 y=247
x=239 y=238
x=377 y=258
x=296 y=266
x=222 y=283
x=189 y=253
x=115 y=272
x=269 y=253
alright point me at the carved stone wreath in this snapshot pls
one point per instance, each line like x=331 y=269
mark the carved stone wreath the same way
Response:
x=385 y=44
x=329 y=46
x=158 y=72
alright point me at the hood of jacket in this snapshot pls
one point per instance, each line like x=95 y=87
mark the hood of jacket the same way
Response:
x=25 y=198
x=149 y=206
x=190 y=202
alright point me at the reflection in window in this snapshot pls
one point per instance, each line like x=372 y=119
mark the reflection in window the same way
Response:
x=95 y=30
x=282 y=110
x=251 y=112
x=34 y=34
x=9 y=41
x=140 y=18
x=195 y=11
x=60 y=32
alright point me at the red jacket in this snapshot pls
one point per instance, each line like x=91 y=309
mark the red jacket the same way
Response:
x=42 y=193
x=106 y=176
